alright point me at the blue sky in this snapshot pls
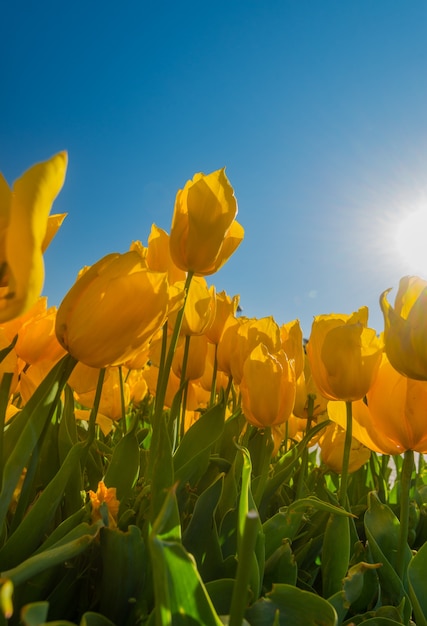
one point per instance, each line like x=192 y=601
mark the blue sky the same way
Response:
x=317 y=108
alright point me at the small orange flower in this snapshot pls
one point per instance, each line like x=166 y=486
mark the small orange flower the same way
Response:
x=105 y=495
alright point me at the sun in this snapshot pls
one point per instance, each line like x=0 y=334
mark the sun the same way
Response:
x=411 y=241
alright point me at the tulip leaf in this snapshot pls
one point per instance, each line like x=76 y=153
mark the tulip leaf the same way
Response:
x=71 y=545
x=295 y=606
x=199 y=537
x=180 y=594
x=122 y=473
x=24 y=432
x=123 y=574
x=191 y=458
x=35 y=524
x=382 y=532
x=35 y=614
x=335 y=554
x=286 y=466
x=417 y=576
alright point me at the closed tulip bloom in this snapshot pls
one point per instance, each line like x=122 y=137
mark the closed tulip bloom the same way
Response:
x=24 y=216
x=204 y=233
x=331 y=445
x=405 y=328
x=112 y=310
x=226 y=306
x=267 y=388
x=199 y=308
x=159 y=258
x=196 y=357
x=251 y=333
x=344 y=355
x=394 y=418
x=292 y=344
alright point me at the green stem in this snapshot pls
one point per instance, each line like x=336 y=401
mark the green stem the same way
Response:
x=346 y=456
x=239 y=600
x=6 y=382
x=94 y=411
x=184 y=384
x=304 y=458
x=122 y=399
x=405 y=488
x=162 y=382
x=214 y=376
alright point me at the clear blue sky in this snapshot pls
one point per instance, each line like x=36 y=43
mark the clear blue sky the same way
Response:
x=317 y=108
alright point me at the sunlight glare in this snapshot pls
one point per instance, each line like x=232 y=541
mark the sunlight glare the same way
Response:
x=411 y=241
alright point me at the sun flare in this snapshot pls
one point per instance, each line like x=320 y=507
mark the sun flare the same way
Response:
x=411 y=241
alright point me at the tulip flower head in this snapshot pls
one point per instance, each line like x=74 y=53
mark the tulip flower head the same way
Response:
x=267 y=387
x=24 y=233
x=113 y=309
x=344 y=355
x=405 y=328
x=204 y=233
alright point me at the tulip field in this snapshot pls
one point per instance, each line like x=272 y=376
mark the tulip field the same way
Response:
x=165 y=460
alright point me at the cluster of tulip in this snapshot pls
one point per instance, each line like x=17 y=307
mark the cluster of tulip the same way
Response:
x=147 y=325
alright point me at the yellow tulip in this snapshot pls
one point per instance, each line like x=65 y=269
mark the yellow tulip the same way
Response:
x=394 y=418
x=267 y=387
x=158 y=255
x=250 y=333
x=36 y=334
x=331 y=445
x=225 y=306
x=204 y=233
x=199 y=308
x=112 y=310
x=344 y=355
x=405 y=328
x=24 y=233
x=292 y=344
x=196 y=357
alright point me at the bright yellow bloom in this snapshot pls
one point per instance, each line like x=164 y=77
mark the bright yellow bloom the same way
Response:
x=24 y=233
x=250 y=333
x=199 y=308
x=36 y=335
x=394 y=420
x=267 y=387
x=291 y=339
x=225 y=307
x=344 y=355
x=405 y=328
x=204 y=233
x=331 y=445
x=196 y=357
x=306 y=387
x=158 y=255
x=112 y=310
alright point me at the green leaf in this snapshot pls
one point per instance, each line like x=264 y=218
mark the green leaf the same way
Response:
x=417 y=576
x=200 y=536
x=122 y=473
x=382 y=532
x=59 y=553
x=35 y=614
x=335 y=554
x=123 y=574
x=28 y=536
x=191 y=458
x=25 y=430
x=180 y=594
x=296 y=607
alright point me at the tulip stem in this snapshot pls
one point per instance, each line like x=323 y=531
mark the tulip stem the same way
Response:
x=214 y=376
x=184 y=385
x=346 y=455
x=240 y=596
x=304 y=458
x=405 y=488
x=6 y=382
x=94 y=411
x=162 y=382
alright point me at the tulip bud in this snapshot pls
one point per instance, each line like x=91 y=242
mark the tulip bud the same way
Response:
x=112 y=310
x=204 y=233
